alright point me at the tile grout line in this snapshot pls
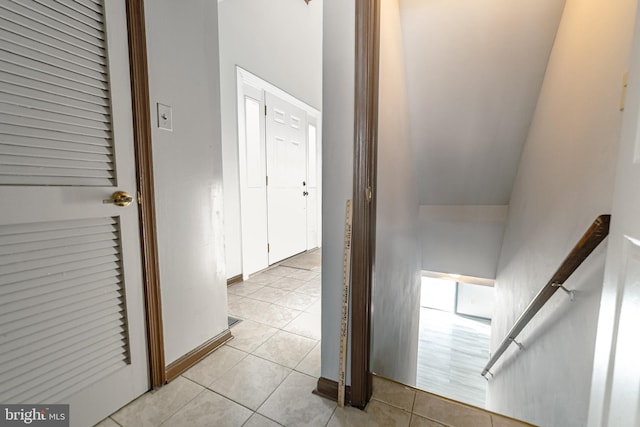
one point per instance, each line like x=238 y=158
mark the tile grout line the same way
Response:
x=313 y=278
x=274 y=327
x=117 y=423
x=264 y=416
x=277 y=363
x=277 y=327
x=271 y=394
x=332 y=415
x=281 y=328
x=254 y=411
x=413 y=403
x=289 y=290
x=244 y=356
x=208 y=387
x=186 y=403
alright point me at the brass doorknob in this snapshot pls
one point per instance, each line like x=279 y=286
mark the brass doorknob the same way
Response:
x=120 y=198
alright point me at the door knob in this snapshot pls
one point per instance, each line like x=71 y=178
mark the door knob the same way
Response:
x=120 y=198
x=305 y=193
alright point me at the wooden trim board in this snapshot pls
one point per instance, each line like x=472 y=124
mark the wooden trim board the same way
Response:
x=144 y=170
x=235 y=279
x=364 y=194
x=329 y=389
x=175 y=369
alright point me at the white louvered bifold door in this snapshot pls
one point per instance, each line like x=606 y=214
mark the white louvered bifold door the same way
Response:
x=62 y=317
x=71 y=302
x=55 y=109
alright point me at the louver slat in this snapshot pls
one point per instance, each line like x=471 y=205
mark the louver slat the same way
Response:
x=44 y=162
x=62 y=310
x=79 y=368
x=58 y=323
x=58 y=359
x=87 y=339
x=47 y=231
x=33 y=55
x=18 y=290
x=71 y=255
x=32 y=173
x=11 y=319
x=14 y=37
x=39 y=101
x=18 y=74
x=84 y=7
x=41 y=344
x=32 y=158
x=80 y=378
x=41 y=122
x=40 y=254
x=93 y=290
x=30 y=12
x=42 y=132
x=82 y=19
x=54 y=45
x=57 y=121
x=54 y=95
x=31 y=110
x=29 y=64
x=47 y=144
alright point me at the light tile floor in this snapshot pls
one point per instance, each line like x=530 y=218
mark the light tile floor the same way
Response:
x=266 y=374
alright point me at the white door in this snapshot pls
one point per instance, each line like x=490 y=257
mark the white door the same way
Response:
x=71 y=301
x=286 y=172
x=616 y=378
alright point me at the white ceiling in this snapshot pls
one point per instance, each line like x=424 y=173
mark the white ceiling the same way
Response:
x=474 y=70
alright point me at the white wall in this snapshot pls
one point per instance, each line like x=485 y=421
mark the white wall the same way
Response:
x=564 y=181
x=396 y=287
x=474 y=70
x=280 y=41
x=462 y=240
x=182 y=40
x=615 y=384
x=337 y=166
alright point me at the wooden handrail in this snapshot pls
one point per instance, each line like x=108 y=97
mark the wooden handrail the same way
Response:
x=589 y=241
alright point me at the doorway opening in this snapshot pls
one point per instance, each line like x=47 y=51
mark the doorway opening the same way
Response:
x=279 y=148
x=278 y=302
x=454 y=337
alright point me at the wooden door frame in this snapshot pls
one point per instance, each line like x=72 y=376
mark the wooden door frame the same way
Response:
x=146 y=199
x=363 y=232
x=367 y=45
x=364 y=192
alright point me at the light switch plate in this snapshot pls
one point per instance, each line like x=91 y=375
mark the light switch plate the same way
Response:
x=165 y=120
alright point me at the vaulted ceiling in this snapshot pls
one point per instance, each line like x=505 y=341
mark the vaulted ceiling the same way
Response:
x=474 y=69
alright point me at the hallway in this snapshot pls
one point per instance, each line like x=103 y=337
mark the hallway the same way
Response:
x=265 y=375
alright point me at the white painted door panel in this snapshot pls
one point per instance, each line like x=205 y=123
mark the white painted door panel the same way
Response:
x=71 y=300
x=286 y=171
x=616 y=374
